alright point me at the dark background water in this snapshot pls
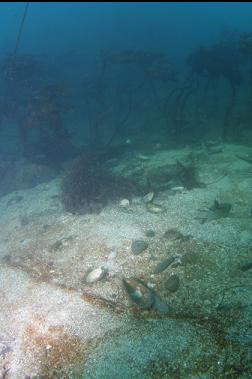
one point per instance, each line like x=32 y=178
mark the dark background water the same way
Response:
x=175 y=28
x=91 y=75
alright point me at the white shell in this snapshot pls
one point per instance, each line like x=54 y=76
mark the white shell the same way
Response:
x=124 y=203
x=178 y=189
x=95 y=275
x=148 y=197
x=142 y=157
x=154 y=208
x=112 y=255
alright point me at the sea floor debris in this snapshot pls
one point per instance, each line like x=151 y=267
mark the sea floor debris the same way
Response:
x=56 y=325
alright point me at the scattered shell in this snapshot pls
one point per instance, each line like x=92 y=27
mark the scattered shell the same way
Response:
x=25 y=242
x=136 y=200
x=172 y=283
x=139 y=293
x=142 y=157
x=148 y=198
x=57 y=245
x=138 y=246
x=163 y=265
x=112 y=255
x=207 y=302
x=190 y=258
x=214 y=150
x=149 y=233
x=124 y=203
x=151 y=285
x=143 y=296
x=173 y=234
x=160 y=306
x=246 y=266
x=154 y=208
x=95 y=275
x=178 y=189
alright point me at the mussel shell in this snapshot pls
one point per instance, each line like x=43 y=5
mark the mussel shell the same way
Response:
x=139 y=293
x=161 y=266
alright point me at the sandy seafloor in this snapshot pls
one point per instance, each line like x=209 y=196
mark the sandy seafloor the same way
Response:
x=54 y=325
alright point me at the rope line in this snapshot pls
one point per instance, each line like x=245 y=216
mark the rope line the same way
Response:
x=20 y=29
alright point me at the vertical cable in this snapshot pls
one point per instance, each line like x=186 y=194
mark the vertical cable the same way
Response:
x=20 y=30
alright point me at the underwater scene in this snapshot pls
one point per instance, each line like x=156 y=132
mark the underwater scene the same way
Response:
x=125 y=190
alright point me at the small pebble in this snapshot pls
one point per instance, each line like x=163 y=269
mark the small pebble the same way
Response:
x=246 y=266
x=172 y=283
x=138 y=246
x=6 y=258
x=45 y=227
x=149 y=233
x=24 y=220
